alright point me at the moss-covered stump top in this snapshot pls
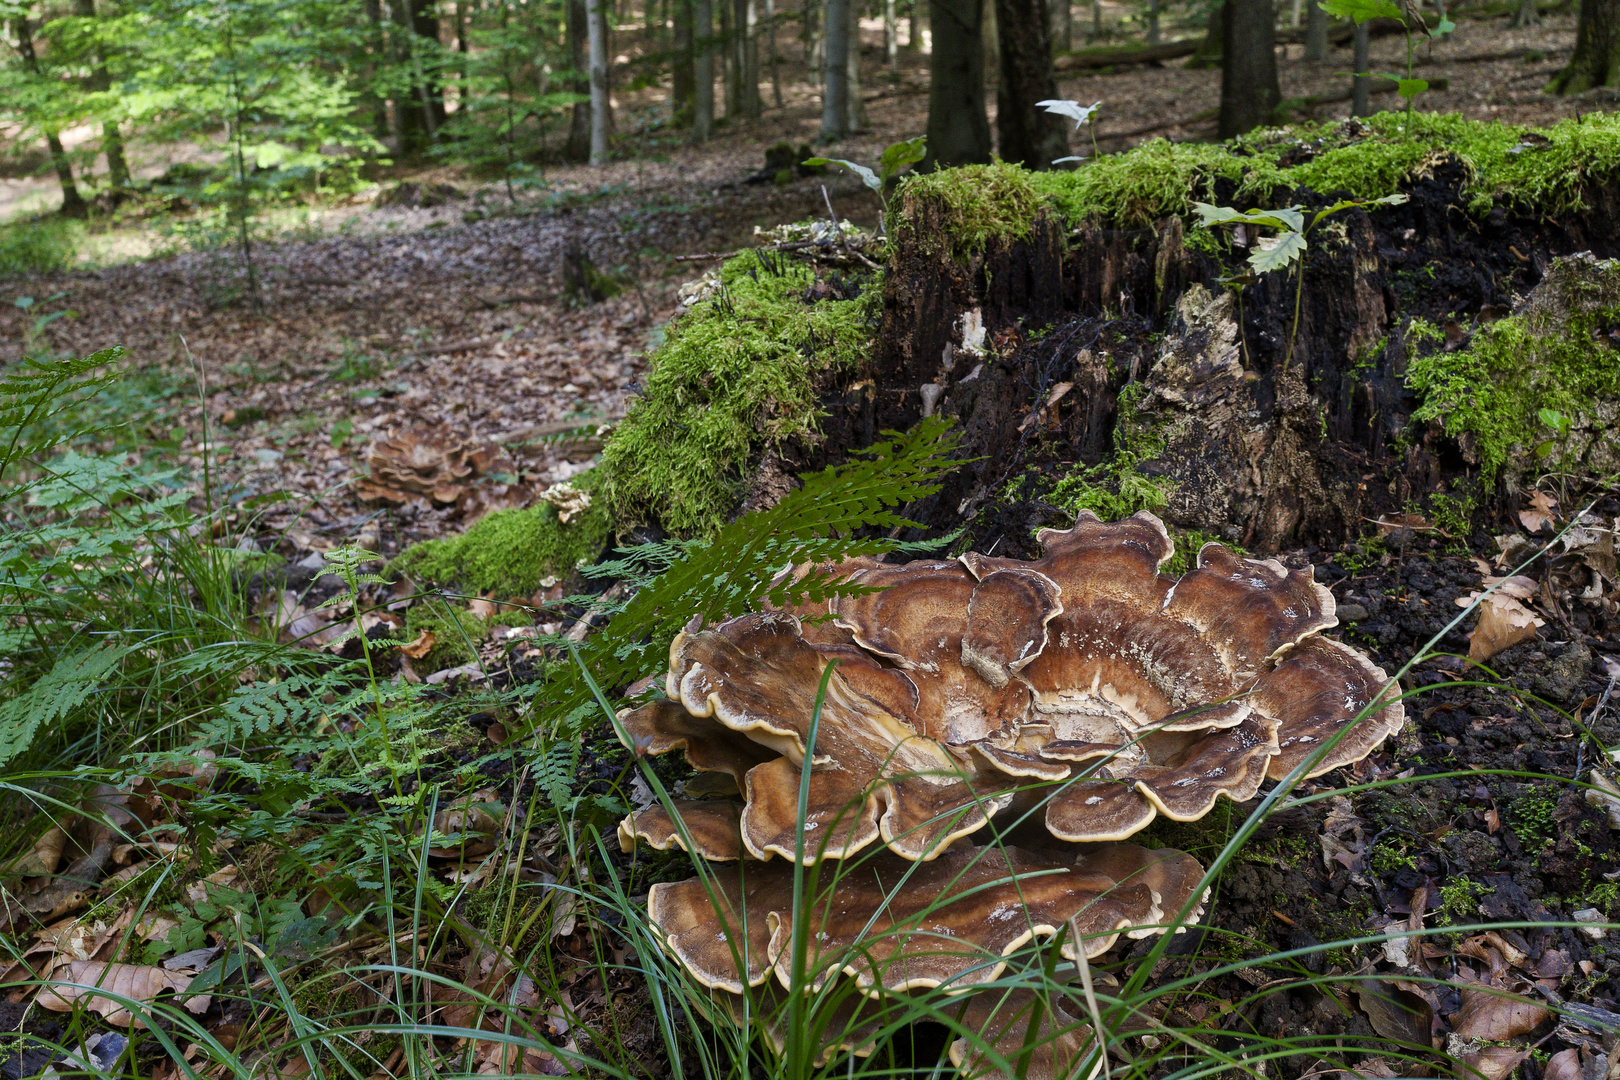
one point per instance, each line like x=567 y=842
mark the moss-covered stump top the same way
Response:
x=1544 y=171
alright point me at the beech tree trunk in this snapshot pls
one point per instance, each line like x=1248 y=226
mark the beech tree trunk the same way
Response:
x=835 y=71
x=112 y=140
x=1025 y=134
x=1209 y=50
x=1063 y=26
x=683 y=90
x=703 y=71
x=601 y=110
x=958 y=125
x=1316 y=33
x=1360 y=85
x=1249 y=90
x=1527 y=15
x=1596 y=61
x=852 y=77
x=579 y=125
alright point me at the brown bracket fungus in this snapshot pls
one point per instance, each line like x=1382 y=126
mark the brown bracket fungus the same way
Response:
x=1084 y=688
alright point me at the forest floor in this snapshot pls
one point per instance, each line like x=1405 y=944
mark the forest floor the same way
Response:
x=456 y=318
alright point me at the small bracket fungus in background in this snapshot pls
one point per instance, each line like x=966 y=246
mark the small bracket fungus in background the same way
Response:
x=1084 y=689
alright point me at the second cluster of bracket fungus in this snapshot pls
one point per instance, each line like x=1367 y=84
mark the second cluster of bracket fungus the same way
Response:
x=1084 y=689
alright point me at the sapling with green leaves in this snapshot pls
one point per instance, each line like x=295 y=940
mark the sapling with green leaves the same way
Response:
x=1408 y=86
x=1080 y=114
x=895 y=160
x=1287 y=247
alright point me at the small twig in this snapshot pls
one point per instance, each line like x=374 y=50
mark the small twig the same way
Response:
x=832 y=214
x=705 y=256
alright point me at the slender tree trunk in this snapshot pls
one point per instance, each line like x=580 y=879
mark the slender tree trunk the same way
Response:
x=891 y=38
x=1528 y=15
x=835 y=71
x=378 y=44
x=729 y=68
x=1316 y=33
x=1596 y=61
x=1062 y=26
x=852 y=89
x=1360 y=85
x=748 y=55
x=601 y=110
x=410 y=119
x=703 y=70
x=958 y=127
x=1027 y=135
x=100 y=81
x=1293 y=16
x=1249 y=91
x=775 y=60
x=810 y=35
x=990 y=46
x=920 y=36
x=1096 y=20
x=426 y=26
x=576 y=30
x=1153 y=22
x=73 y=204
x=683 y=92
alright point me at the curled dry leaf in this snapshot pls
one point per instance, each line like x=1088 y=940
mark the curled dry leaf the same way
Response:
x=44 y=856
x=1395 y=1013
x=98 y=986
x=1488 y=1062
x=1540 y=514
x=472 y=824
x=1503 y=623
x=1564 y=1065
x=421 y=646
x=1495 y=1015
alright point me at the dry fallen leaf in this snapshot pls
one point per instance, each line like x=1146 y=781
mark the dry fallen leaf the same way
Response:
x=98 y=986
x=1495 y=1015
x=1489 y=1063
x=45 y=854
x=475 y=820
x=1539 y=514
x=1395 y=1013
x=421 y=646
x=1503 y=623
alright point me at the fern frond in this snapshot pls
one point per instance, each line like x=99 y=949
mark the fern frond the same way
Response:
x=53 y=696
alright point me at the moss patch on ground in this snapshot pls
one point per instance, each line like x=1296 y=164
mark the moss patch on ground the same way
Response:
x=1541 y=383
x=510 y=551
x=737 y=374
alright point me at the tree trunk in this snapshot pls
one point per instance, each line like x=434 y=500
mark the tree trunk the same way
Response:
x=73 y=204
x=1062 y=26
x=1027 y=135
x=891 y=38
x=425 y=23
x=1527 y=15
x=683 y=91
x=852 y=79
x=774 y=59
x=835 y=71
x=703 y=71
x=112 y=140
x=916 y=24
x=1153 y=22
x=1316 y=33
x=1249 y=91
x=810 y=35
x=748 y=55
x=576 y=30
x=1597 y=49
x=601 y=110
x=1360 y=85
x=958 y=127
x=730 y=74
x=379 y=46
x=990 y=46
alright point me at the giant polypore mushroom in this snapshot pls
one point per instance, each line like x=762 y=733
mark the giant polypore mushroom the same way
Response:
x=1084 y=687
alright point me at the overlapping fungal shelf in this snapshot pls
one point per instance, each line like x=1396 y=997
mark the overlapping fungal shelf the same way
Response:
x=1084 y=690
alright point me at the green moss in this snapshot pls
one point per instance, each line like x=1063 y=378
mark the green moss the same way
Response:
x=1459 y=900
x=1529 y=381
x=981 y=202
x=737 y=374
x=510 y=551
x=1155 y=180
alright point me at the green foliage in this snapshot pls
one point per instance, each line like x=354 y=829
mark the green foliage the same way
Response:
x=1521 y=380
x=509 y=552
x=737 y=375
x=1459 y=900
x=896 y=159
x=1157 y=179
x=456 y=633
x=48 y=246
x=828 y=517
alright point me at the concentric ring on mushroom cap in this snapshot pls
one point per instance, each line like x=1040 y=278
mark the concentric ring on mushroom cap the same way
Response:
x=1002 y=1019
x=898 y=925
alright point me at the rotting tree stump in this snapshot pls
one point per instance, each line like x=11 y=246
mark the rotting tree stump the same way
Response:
x=1185 y=376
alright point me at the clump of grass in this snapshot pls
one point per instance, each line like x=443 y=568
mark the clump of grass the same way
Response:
x=510 y=552
x=738 y=374
x=44 y=246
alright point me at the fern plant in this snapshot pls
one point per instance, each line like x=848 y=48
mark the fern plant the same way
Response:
x=836 y=513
